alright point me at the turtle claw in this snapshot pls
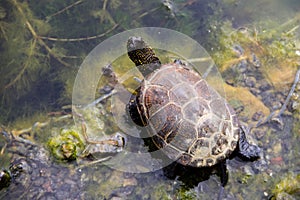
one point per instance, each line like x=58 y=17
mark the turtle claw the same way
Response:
x=137 y=79
x=178 y=61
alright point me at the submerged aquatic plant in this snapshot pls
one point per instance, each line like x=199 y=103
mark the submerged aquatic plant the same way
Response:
x=39 y=57
x=273 y=50
x=287 y=188
x=67 y=145
x=25 y=58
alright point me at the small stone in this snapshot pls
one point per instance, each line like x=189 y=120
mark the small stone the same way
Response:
x=278 y=122
x=230 y=82
x=128 y=175
x=259 y=133
x=295 y=105
x=248 y=171
x=238 y=50
x=122 y=192
x=261 y=165
x=271 y=174
x=277 y=148
x=242 y=66
x=109 y=73
x=264 y=86
x=107 y=70
x=277 y=160
x=116 y=198
x=129 y=182
x=276 y=105
x=257 y=116
x=106 y=89
x=255 y=61
x=255 y=91
x=250 y=81
x=295 y=96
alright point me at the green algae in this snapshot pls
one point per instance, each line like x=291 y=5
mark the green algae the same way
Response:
x=287 y=188
x=67 y=145
x=185 y=194
x=275 y=49
x=41 y=55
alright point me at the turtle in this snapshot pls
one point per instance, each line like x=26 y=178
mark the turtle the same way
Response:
x=188 y=119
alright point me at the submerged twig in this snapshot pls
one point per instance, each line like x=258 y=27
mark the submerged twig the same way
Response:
x=17 y=133
x=297 y=77
x=147 y=12
x=289 y=22
x=293 y=29
x=275 y=115
x=101 y=99
x=79 y=39
x=64 y=9
x=93 y=162
x=104 y=5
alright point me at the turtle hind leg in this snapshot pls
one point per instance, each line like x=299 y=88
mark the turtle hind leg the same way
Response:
x=224 y=178
x=247 y=150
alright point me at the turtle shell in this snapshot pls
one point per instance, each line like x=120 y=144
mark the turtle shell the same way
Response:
x=188 y=120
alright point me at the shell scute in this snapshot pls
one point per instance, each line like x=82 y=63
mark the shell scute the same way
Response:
x=185 y=136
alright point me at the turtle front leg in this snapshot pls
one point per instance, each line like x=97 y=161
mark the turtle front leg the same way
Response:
x=246 y=149
x=134 y=110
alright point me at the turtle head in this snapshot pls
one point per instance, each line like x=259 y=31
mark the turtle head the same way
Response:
x=142 y=55
x=135 y=43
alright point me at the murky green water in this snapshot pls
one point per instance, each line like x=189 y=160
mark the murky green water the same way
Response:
x=255 y=45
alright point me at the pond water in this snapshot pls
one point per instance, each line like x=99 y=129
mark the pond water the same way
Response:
x=50 y=148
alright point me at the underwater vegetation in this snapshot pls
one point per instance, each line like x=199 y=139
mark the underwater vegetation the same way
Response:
x=268 y=47
x=67 y=145
x=266 y=44
x=40 y=55
x=287 y=188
